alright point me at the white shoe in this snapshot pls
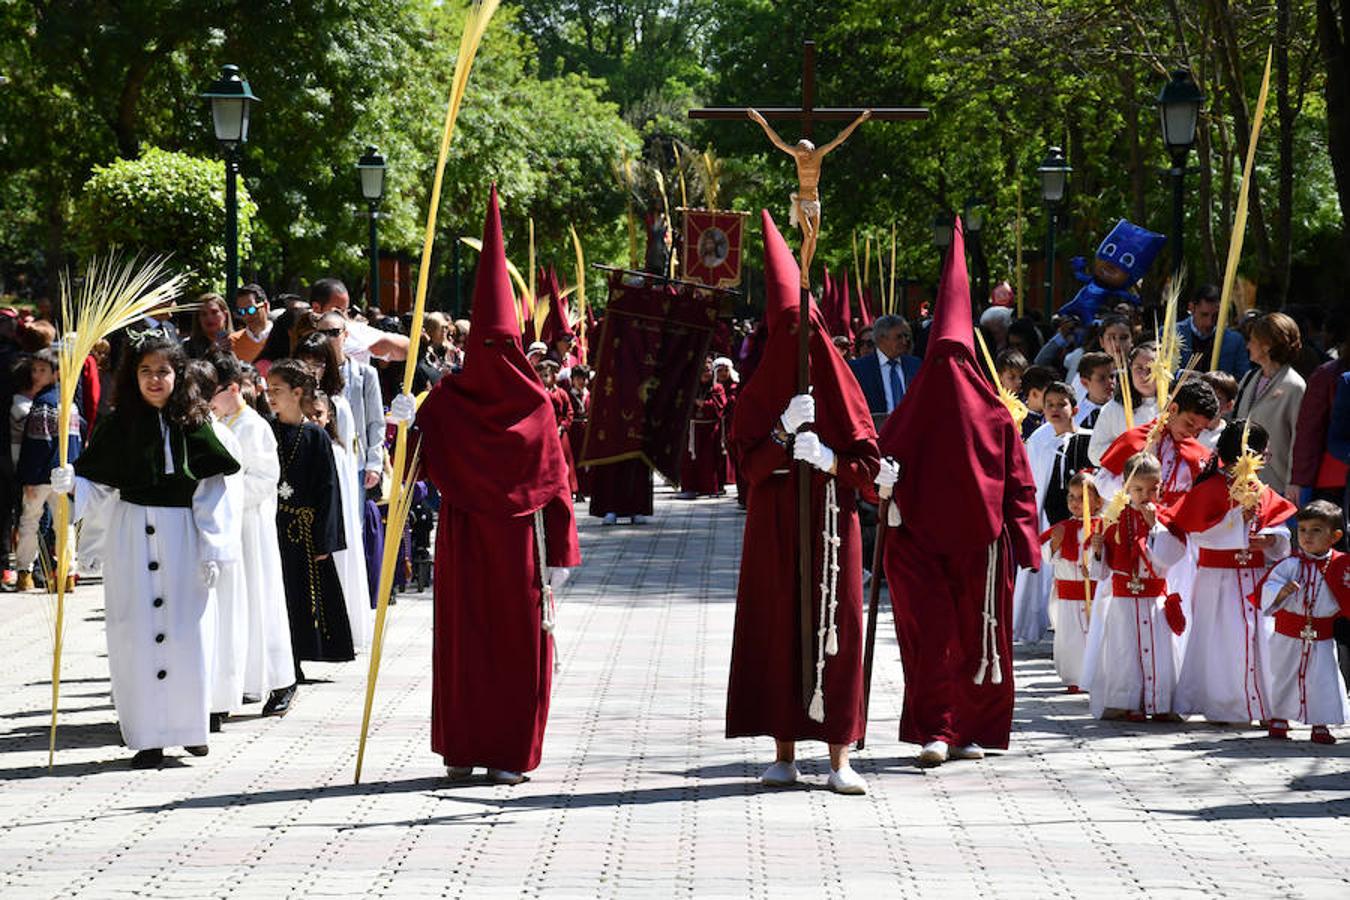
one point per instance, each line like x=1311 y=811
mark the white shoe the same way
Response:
x=459 y=773
x=780 y=774
x=933 y=754
x=969 y=751
x=639 y=520
x=610 y=519
x=847 y=781
x=503 y=776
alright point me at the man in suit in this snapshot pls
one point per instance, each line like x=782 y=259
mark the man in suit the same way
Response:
x=886 y=374
x=1198 y=332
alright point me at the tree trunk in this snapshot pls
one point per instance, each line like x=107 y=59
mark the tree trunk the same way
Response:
x=1333 y=33
x=1284 y=215
x=1138 y=185
x=1230 y=57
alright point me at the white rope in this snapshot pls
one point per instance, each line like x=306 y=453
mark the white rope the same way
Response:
x=545 y=590
x=693 y=446
x=827 y=638
x=989 y=638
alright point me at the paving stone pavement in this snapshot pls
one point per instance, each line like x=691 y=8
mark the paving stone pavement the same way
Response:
x=639 y=794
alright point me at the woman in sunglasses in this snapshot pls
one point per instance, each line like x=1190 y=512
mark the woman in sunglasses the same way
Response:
x=210 y=327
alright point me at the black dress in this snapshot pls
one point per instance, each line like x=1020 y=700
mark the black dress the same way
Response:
x=309 y=524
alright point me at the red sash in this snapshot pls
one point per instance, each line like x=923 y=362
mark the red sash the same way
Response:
x=1232 y=559
x=1291 y=624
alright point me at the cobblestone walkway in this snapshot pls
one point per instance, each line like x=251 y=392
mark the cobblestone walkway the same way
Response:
x=639 y=793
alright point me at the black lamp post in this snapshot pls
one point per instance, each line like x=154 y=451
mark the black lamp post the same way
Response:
x=1179 y=103
x=1054 y=172
x=973 y=219
x=231 y=98
x=371 y=167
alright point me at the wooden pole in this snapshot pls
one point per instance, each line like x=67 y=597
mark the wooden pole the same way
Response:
x=873 y=607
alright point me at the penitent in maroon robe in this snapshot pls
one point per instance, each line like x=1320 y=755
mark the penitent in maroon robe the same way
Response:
x=703 y=464
x=968 y=505
x=764 y=695
x=489 y=442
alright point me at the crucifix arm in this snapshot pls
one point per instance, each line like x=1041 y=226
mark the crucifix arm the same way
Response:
x=843 y=135
x=755 y=116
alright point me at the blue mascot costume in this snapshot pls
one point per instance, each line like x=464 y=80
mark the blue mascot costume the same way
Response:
x=1123 y=258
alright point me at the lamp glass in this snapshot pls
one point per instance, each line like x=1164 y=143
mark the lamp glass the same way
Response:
x=230 y=118
x=372 y=182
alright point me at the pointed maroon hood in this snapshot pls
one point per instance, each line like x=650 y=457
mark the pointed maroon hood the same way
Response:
x=954 y=439
x=490 y=436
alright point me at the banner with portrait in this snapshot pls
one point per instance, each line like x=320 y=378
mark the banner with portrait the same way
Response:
x=647 y=367
x=712 y=246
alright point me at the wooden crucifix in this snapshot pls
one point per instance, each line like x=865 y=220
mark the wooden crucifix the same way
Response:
x=806 y=212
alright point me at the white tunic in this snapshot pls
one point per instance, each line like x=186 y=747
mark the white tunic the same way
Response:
x=231 y=631
x=1303 y=682
x=1222 y=670
x=268 y=664
x=351 y=563
x=159 y=621
x=1031 y=590
x=1133 y=669
x=1071 y=621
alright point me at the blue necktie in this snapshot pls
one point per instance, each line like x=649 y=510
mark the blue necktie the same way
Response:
x=897 y=388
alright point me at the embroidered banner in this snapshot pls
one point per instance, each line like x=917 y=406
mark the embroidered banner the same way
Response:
x=712 y=246
x=652 y=345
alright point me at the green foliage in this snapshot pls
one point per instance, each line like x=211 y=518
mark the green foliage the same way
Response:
x=163 y=202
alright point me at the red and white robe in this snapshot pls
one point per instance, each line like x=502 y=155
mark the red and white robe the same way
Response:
x=1303 y=682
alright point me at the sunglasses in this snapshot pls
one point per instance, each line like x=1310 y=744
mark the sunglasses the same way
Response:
x=247 y=310
x=331 y=332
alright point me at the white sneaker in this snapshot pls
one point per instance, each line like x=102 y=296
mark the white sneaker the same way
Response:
x=780 y=774
x=933 y=754
x=847 y=781
x=610 y=519
x=503 y=776
x=459 y=773
x=969 y=751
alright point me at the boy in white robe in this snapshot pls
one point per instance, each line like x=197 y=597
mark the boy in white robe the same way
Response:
x=1302 y=597
x=1134 y=675
x=269 y=666
x=1072 y=592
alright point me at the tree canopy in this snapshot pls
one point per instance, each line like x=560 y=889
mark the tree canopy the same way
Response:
x=565 y=90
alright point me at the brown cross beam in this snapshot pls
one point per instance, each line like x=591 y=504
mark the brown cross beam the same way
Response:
x=809 y=113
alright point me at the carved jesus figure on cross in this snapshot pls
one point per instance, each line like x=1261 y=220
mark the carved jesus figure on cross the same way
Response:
x=806 y=202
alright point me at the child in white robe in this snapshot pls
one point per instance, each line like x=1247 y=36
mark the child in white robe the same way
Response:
x=269 y=665
x=1134 y=676
x=1071 y=593
x=154 y=472
x=1302 y=597
x=1235 y=529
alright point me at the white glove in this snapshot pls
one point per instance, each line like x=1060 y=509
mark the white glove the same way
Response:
x=808 y=448
x=403 y=410
x=210 y=573
x=558 y=577
x=887 y=477
x=63 y=479
x=801 y=410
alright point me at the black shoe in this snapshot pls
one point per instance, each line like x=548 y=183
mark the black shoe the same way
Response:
x=280 y=702
x=147 y=759
x=216 y=719
x=251 y=699
x=199 y=750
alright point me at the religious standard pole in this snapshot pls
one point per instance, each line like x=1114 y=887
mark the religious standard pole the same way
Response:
x=806 y=211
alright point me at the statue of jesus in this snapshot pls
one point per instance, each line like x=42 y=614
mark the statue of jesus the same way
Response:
x=806 y=202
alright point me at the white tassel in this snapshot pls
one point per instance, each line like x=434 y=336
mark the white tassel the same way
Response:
x=989 y=655
x=827 y=637
x=817 y=711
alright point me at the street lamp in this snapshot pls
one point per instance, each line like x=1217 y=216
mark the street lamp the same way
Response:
x=942 y=231
x=1179 y=105
x=972 y=217
x=371 y=166
x=1054 y=173
x=231 y=98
